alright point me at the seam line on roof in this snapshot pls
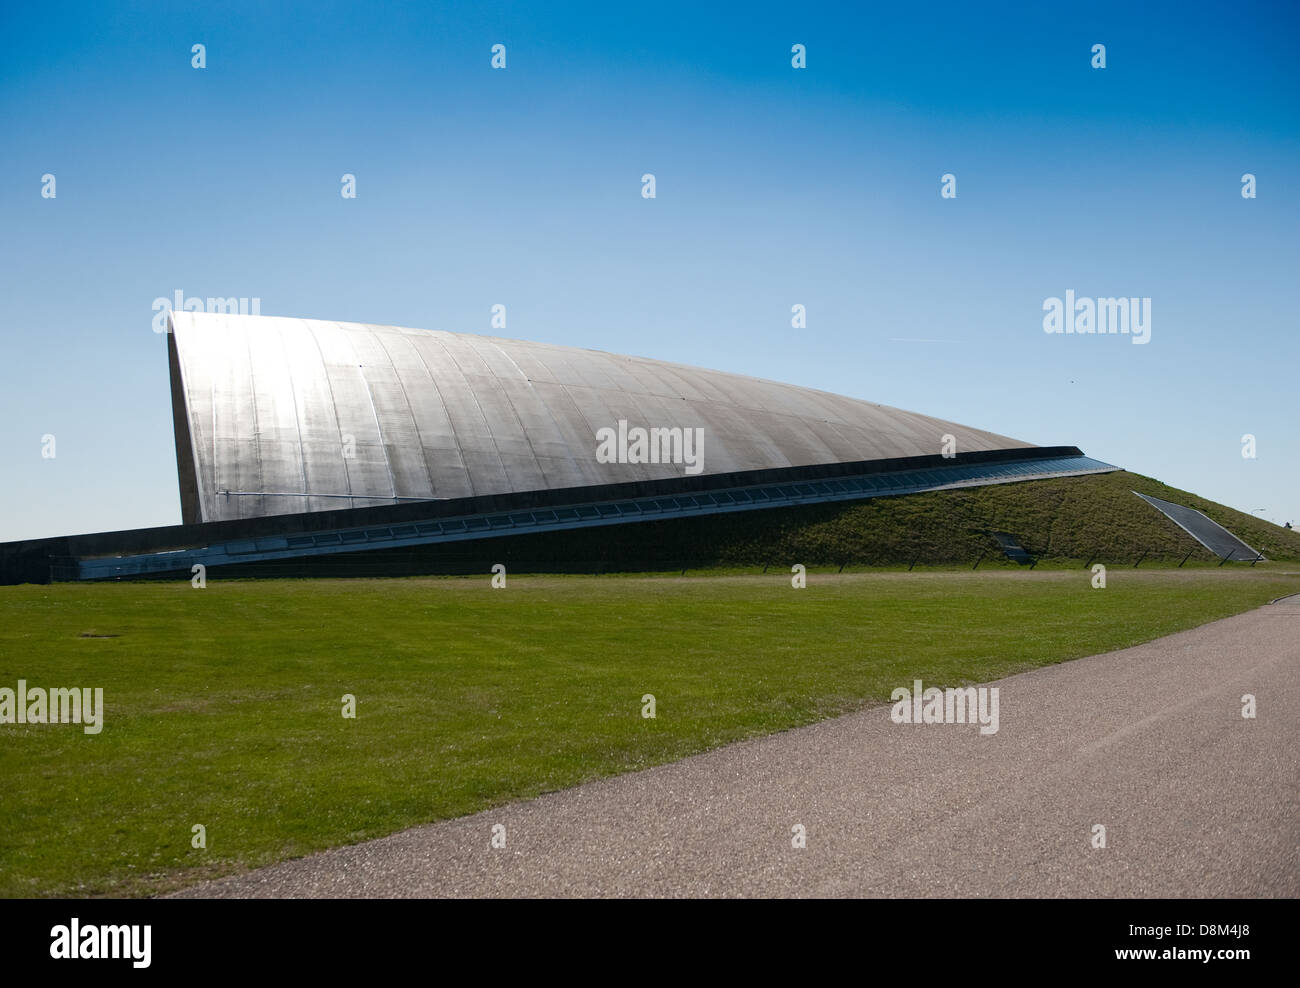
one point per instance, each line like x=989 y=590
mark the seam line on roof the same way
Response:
x=578 y=472
x=379 y=429
x=477 y=404
x=513 y=411
x=297 y=421
x=215 y=466
x=451 y=422
x=410 y=413
x=334 y=405
x=252 y=404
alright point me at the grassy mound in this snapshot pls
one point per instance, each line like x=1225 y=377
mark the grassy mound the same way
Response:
x=1062 y=522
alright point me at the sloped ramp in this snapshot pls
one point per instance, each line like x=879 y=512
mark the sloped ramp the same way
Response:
x=1209 y=533
x=1012 y=549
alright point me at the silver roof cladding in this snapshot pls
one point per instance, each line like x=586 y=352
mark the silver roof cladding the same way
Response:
x=268 y=407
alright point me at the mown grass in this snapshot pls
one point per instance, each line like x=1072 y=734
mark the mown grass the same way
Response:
x=223 y=704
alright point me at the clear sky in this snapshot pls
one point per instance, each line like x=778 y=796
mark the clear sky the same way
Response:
x=775 y=186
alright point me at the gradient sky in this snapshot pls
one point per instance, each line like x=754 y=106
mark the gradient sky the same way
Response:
x=775 y=186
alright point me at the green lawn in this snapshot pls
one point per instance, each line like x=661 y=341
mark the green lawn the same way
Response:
x=223 y=705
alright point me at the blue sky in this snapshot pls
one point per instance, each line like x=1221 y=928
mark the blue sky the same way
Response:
x=775 y=186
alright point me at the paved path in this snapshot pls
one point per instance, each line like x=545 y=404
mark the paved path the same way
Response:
x=1149 y=741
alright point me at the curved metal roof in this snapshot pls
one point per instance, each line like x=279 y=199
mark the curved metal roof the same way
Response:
x=276 y=415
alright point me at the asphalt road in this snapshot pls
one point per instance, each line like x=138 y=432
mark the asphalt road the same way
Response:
x=1149 y=742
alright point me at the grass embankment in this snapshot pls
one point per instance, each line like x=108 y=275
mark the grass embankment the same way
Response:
x=1067 y=520
x=1063 y=522
x=223 y=704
